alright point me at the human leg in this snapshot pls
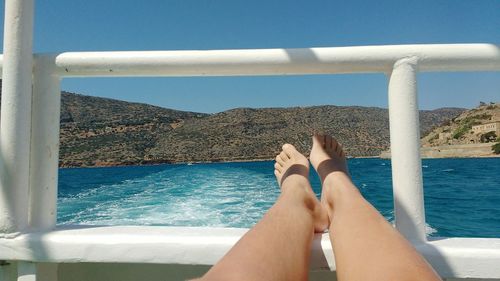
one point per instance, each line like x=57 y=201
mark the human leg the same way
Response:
x=366 y=246
x=278 y=247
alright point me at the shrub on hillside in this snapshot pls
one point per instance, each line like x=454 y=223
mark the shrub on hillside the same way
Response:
x=496 y=148
x=460 y=131
x=483 y=116
x=488 y=137
x=466 y=124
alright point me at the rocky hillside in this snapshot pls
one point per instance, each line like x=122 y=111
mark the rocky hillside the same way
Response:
x=99 y=132
x=103 y=132
x=478 y=125
x=246 y=133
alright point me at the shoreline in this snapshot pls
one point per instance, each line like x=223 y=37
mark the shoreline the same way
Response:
x=476 y=150
x=189 y=162
x=454 y=157
x=250 y=161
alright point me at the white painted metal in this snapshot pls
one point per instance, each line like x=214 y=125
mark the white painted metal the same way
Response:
x=44 y=159
x=405 y=150
x=26 y=271
x=452 y=257
x=457 y=57
x=15 y=123
x=463 y=257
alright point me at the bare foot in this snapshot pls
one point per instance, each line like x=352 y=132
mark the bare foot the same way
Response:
x=292 y=173
x=327 y=156
x=328 y=159
x=290 y=164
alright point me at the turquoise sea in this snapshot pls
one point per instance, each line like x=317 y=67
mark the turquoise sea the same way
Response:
x=462 y=196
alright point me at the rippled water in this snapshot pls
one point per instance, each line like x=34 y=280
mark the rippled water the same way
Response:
x=462 y=196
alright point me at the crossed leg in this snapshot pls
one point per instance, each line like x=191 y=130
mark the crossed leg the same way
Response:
x=366 y=246
x=278 y=247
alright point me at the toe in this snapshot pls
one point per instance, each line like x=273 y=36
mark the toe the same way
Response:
x=277 y=167
x=318 y=140
x=285 y=156
x=339 y=149
x=279 y=160
x=328 y=142
x=278 y=176
x=289 y=149
x=334 y=144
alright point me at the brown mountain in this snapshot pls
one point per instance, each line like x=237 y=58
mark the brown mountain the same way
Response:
x=242 y=134
x=96 y=131
x=102 y=132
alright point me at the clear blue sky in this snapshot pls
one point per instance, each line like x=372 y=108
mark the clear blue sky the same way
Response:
x=92 y=25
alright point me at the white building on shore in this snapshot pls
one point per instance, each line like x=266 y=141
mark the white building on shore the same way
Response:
x=487 y=127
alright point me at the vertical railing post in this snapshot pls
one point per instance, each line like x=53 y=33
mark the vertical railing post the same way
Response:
x=26 y=271
x=15 y=120
x=46 y=108
x=405 y=150
x=44 y=157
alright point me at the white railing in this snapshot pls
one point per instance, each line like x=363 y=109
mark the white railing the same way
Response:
x=29 y=147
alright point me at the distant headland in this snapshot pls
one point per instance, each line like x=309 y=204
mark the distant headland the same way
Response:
x=473 y=133
x=106 y=132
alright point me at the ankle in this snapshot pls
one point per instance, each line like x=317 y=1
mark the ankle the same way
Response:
x=336 y=186
x=336 y=178
x=294 y=181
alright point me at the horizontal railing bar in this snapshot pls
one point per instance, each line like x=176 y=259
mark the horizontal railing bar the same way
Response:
x=362 y=59
x=367 y=59
x=451 y=257
x=150 y=244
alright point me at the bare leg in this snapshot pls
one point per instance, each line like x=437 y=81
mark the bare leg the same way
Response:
x=366 y=246
x=278 y=247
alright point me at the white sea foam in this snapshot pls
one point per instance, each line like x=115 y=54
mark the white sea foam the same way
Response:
x=210 y=198
x=429 y=229
x=238 y=194
x=235 y=197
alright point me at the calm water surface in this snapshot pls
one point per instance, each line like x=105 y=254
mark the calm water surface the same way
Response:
x=462 y=196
